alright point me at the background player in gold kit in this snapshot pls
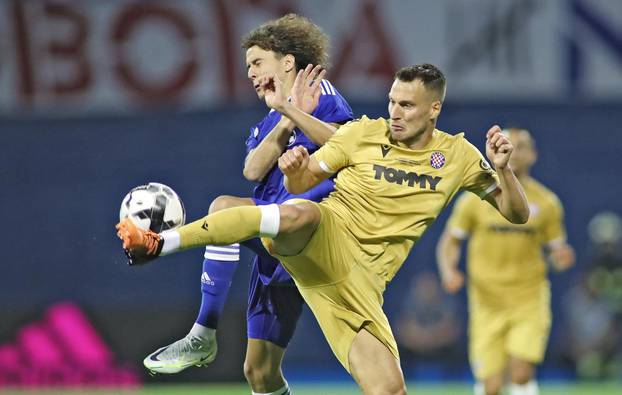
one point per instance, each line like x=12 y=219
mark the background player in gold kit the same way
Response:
x=509 y=294
x=395 y=176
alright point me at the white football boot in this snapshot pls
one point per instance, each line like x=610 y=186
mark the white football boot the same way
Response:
x=190 y=351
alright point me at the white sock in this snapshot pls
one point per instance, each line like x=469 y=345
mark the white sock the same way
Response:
x=270 y=220
x=202 y=331
x=529 y=388
x=478 y=388
x=284 y=390
x=172 y=241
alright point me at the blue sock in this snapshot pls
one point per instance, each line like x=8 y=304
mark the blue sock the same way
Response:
x=218 y=270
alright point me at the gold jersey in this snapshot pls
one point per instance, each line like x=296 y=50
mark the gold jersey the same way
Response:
x=387 y=195
x=503 y=256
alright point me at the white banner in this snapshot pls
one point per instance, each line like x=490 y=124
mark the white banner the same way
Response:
x=118 y=56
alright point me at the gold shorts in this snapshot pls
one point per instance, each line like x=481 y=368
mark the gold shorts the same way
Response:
x=520 y=331
x=343 y=293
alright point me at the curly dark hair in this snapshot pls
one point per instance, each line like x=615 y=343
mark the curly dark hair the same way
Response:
x=294 y=35
x=431 y=77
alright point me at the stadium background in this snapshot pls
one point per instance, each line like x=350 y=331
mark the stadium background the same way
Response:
x=98 y=97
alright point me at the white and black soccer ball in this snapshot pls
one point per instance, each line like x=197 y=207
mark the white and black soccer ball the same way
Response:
x=153 y=206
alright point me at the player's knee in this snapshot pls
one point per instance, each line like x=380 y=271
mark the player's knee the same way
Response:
x=398 y=388
x=222 y=202
x=296 y=216
x=390 y=383
x=521 y=376
x=393 y=388
x=259 y=376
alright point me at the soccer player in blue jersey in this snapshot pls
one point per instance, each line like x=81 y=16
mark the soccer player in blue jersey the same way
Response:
x=281 y=48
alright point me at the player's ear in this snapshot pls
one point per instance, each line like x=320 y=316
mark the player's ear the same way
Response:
x=533 y=157
x=435 y=109
x=289 y=62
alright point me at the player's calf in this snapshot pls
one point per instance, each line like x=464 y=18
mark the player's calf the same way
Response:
x=493 y=384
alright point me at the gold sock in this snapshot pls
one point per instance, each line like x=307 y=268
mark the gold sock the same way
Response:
x=224 y=227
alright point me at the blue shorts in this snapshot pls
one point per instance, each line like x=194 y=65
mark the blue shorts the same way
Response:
x=273 y=310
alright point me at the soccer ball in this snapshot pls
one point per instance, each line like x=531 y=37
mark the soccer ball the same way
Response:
x=153 y=206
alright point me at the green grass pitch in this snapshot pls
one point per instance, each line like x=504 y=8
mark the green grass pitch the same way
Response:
x=337 y=389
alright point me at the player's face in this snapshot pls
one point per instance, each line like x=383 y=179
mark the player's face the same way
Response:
x=524 y=154
x=259 y=63
x=412 y=110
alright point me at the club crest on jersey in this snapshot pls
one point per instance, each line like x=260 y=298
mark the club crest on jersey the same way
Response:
x=437 y=160
x=292 y=139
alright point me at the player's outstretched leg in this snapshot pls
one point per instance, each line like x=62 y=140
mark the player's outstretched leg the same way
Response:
x=222 y=228
x=291 y=227
x=199 y=346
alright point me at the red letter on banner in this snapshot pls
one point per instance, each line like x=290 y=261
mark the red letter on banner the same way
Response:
x=131 y=19
x=72 y=49
x=379 y=61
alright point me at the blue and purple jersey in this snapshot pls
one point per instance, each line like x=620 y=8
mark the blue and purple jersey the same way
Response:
x=332 y=108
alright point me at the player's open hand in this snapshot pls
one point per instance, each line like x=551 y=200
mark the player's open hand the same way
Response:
x=273 y=91
x=498 y=147
x=294 y=161
x=306 y=90
x=452 y=279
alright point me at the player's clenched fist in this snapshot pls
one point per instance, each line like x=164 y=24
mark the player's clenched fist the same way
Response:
x=498 y=147
x=294 y=160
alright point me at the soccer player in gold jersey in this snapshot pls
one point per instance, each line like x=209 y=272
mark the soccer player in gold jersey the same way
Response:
x=395 y=176
x=508 y=290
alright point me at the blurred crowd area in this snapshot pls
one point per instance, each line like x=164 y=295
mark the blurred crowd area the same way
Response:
x=592 y=307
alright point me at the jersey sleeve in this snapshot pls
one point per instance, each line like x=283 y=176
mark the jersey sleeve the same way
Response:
x=253 y=138
x=554 y=229
x=479 y=177
x=336 y=153
x=332 y=107
x=461 y=222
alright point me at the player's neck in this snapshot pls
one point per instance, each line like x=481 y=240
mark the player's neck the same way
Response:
x=420 y=141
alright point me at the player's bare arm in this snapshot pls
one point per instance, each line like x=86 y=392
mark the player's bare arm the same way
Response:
x=302 y=172
x=511 y=200
x=311 y=126
x=260 y=160
x=448 y=252
x=305 y=95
